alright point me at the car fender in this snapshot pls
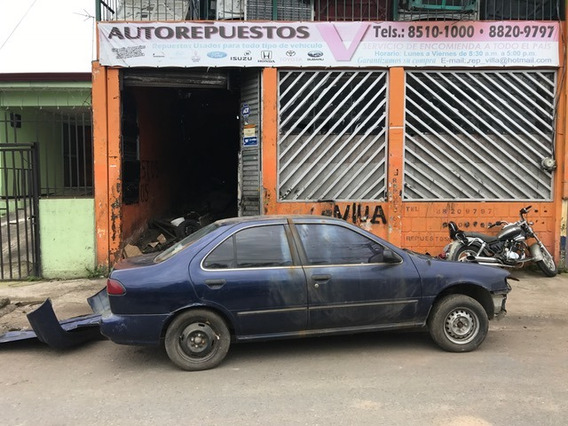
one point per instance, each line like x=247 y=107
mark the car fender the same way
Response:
x=218 y=309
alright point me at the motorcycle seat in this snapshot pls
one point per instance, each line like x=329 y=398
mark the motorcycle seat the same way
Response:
x=487 y=238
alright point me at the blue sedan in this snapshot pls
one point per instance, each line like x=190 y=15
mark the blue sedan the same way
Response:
x=271 y=277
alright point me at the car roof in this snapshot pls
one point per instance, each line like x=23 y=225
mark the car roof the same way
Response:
x=276 y=218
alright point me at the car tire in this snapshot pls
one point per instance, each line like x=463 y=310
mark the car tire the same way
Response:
x=458 y=323
x=197 y=340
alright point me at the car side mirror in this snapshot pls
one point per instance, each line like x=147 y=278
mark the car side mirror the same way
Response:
x=390 y=257
x=387 y=256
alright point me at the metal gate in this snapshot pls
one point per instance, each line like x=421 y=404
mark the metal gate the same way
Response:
x=332 y=143
x=479 y=135
x=19 y=211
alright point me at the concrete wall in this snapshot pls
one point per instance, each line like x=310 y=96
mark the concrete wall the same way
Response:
x=67 y=233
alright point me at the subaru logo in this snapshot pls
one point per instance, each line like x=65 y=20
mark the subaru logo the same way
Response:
x=315 y=54
x=216 y=55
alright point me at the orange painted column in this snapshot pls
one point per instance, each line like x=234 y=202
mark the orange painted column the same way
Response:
x=560 y=181
x=114 y=165
x=269 y=140
x=106 y=158
x=395 y=154
x=562 y=151
x=562 y=122
x=100 y=160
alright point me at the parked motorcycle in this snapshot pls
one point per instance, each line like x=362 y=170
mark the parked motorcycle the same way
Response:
x=507 y=249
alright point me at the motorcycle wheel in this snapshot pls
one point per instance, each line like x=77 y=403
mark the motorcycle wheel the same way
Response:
x=461 y=254
x=547 y=265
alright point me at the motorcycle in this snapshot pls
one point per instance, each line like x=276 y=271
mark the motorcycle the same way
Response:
x=508 y=249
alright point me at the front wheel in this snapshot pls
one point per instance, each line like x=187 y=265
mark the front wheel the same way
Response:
x=547 y=265
x=197 y=340
x=458 y=323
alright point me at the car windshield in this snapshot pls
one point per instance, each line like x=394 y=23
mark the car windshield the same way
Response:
x=186 y=242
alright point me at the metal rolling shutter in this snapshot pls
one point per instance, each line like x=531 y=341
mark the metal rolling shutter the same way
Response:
x=249 y=161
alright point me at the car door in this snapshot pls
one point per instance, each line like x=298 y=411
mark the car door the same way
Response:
x=349 y=284
x=255 y=275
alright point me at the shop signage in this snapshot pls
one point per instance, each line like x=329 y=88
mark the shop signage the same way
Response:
x=330 y=44
x=249 y=135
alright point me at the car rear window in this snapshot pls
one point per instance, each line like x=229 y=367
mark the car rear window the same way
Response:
x=186 y=242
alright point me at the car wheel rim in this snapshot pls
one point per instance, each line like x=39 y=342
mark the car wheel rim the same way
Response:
x=198 y=340
x=461 y=326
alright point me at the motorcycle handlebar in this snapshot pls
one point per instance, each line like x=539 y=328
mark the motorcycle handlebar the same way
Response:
x=498 y=223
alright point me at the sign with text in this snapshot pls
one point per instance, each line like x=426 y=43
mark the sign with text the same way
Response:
x=330 y=44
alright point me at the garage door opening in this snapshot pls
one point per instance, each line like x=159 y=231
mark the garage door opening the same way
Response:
x=180 y=133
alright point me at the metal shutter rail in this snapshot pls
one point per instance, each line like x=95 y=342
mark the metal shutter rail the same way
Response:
x=249 y=194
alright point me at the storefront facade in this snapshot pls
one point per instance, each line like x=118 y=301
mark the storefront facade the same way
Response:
x=399 y=127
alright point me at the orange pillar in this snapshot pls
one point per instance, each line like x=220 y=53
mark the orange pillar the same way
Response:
x=269 y=139
x=106 y=158
x=395 y=154
x=561 y=195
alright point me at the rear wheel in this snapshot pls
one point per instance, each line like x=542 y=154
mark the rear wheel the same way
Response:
x=197 y=340
x=547 y=265
x=462 y=253
x=458 y=323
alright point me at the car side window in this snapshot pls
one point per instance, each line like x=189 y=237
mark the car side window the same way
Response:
x=336 y=245
x=257 y=247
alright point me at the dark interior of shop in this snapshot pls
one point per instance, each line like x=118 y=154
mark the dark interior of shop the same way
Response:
x=179 y=160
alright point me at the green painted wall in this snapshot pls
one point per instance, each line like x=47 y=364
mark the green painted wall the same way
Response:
x=45 y=128
x=44 y=107
x=67 y=234
x=45 y=94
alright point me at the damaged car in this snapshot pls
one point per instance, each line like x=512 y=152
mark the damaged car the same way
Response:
x=275 y=277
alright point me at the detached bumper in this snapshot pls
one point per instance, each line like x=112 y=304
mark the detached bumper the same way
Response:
x=62 y=334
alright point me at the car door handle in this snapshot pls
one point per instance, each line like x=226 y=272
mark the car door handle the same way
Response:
x=321 y=277
x=214 y=284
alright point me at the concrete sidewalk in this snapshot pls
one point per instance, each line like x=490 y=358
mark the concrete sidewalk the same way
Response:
x=69 y=299
x=533 y=295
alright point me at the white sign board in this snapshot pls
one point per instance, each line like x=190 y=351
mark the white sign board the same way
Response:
x=330 y=44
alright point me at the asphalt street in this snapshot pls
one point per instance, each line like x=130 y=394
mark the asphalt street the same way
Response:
x=517 y=377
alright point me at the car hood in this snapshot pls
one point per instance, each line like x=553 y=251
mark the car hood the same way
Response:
x=446 y=273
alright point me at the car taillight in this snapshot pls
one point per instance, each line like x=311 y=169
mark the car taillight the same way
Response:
x=115 y=287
